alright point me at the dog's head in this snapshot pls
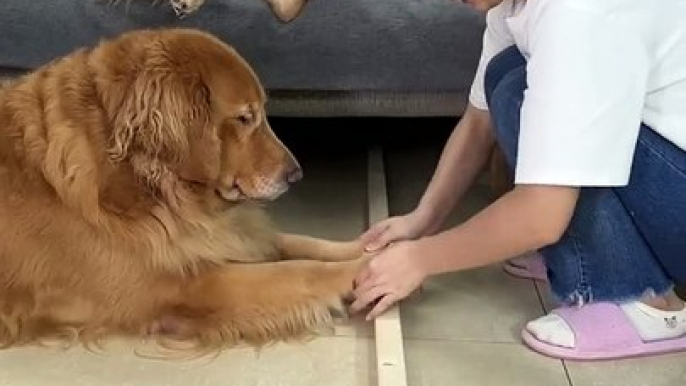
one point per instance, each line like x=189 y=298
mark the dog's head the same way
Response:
x=184 y=105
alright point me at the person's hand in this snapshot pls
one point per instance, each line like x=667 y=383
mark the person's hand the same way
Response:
x=390 y=276
x=390 y=230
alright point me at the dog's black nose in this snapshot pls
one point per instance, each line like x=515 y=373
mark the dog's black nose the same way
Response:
x=294 y=175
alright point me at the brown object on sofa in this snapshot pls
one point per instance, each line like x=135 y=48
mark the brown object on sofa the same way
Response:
x=285 y=10
x=128 y=176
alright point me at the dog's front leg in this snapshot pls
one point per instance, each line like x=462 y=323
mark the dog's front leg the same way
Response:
x=300 y=247
x=259 y=303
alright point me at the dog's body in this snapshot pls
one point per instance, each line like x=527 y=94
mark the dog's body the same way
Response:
x=127 y=174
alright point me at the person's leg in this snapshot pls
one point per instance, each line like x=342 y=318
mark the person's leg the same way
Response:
x=527 y=266
x=502 y=64
x=644 y=313
x=510 y=60
x=656 y=200
x=604 y=256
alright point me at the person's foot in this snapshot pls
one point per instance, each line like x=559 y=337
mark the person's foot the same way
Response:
x=608 y=331
x=651 y=323
x=527 y=266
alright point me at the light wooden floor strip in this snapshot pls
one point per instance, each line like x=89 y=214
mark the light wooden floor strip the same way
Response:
x=390 y=355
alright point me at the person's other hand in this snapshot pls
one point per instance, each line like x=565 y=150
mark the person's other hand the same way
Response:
x=391 y=275
x=398 y=228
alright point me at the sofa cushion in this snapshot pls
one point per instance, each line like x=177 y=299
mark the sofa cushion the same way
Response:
x=372 y=45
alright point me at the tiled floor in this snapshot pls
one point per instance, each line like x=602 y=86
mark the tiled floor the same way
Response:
x=463 y=329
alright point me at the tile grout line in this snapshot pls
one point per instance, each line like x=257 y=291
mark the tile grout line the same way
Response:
x=567 y=374
x=390 y=355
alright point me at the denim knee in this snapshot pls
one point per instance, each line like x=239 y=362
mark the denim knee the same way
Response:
x=501 y=64
x=505 y=107
x=602 y=255
x=504 y=85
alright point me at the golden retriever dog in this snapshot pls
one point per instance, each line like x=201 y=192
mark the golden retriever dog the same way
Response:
x=131 y=176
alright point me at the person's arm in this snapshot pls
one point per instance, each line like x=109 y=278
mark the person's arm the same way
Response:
x=463 y=157
x=576 y=130
x=528 y=218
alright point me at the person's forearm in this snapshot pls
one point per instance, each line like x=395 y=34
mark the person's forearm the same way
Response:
x=463 y=157
x=519 y=222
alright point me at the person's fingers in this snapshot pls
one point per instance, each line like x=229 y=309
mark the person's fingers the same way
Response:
x=383 y=240
x=362 y=277
x=375 y=231
x=370 y=281
x=365 y=298
x=381 y=307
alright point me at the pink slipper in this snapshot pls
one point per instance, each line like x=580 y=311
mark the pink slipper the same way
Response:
x=529 y=266
x=602 y=331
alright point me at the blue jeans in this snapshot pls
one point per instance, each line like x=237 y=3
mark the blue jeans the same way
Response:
x=622 y=243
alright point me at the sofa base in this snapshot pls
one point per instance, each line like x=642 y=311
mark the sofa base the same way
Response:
x=365 y=104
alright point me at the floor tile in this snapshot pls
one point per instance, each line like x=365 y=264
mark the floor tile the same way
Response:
x=331 y=199
x=410 y=168
x=547 y=298
x=356 y=326
x=482 y=305
x=327 y=361
x=443 y=363
x=666 y=370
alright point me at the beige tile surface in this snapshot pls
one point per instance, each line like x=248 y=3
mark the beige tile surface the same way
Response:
x=325 y=206
x=666 y=370
x=410 y=169
x=546 y=296
x=331 y=199
x=326 y=361
x=482 y=305
x=443 y=363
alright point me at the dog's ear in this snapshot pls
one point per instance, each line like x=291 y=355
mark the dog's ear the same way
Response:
x=155 y=112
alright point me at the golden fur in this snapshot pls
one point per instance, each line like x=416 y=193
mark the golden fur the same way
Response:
x=129 y=174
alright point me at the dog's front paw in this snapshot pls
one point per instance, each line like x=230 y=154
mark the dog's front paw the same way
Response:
x=184 y=8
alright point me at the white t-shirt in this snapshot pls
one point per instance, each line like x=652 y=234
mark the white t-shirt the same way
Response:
x=596 y=70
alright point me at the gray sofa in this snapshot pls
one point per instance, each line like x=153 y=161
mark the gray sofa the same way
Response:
x=339 y=58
